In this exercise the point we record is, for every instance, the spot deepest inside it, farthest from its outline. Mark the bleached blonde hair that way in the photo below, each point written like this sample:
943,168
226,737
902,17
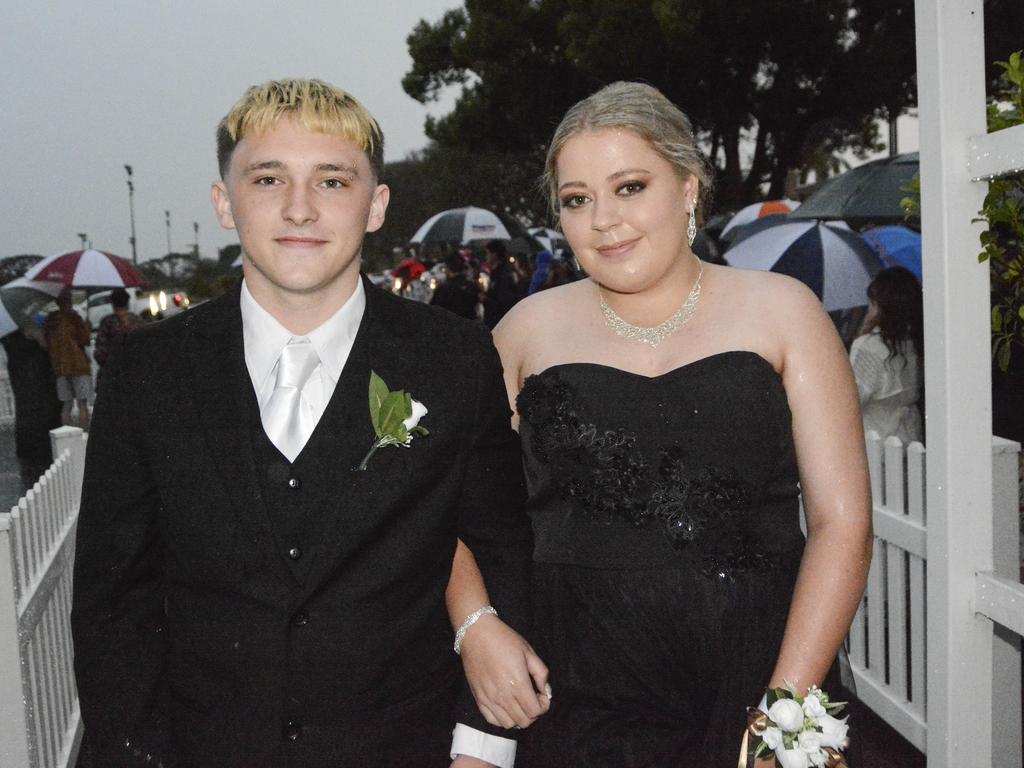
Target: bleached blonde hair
318,106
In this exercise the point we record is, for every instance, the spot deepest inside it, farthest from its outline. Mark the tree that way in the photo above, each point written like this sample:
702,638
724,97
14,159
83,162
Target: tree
12,267
786,77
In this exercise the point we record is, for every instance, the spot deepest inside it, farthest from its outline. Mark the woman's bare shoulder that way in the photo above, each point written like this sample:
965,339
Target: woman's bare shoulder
533,317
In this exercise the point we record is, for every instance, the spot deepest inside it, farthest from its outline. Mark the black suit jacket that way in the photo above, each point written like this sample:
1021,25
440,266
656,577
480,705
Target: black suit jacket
199,641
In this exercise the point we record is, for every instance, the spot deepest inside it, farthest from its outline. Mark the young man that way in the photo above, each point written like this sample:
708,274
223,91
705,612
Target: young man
244,594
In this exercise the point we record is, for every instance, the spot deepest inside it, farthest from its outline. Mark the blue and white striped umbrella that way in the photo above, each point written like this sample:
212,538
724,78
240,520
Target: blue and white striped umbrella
830,259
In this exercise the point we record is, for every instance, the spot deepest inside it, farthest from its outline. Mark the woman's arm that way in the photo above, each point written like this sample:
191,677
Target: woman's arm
505,674
829,439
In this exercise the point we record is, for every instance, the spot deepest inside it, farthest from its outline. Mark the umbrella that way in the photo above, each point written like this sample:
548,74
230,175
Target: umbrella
550,239
896,246
20,299
757,211
463,225
865,195
87,269
831,260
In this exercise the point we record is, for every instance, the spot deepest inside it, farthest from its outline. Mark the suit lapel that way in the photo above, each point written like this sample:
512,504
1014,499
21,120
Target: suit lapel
344,505
227,409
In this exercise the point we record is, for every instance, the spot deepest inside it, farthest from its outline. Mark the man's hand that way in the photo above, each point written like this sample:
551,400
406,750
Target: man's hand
464,761
507,678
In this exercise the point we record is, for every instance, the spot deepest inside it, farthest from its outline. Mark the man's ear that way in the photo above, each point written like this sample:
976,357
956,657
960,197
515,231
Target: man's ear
378,206
222,204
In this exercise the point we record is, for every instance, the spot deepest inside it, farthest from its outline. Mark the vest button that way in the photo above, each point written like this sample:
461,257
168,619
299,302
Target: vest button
294,483
292,730
300,619
295,553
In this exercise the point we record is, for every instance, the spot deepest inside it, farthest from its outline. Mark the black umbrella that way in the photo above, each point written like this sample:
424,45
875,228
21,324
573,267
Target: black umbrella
868,194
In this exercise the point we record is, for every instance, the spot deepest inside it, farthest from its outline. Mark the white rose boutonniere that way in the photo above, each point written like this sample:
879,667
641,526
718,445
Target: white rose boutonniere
395,417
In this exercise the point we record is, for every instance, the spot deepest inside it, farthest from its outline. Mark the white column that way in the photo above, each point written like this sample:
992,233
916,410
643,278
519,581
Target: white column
951,97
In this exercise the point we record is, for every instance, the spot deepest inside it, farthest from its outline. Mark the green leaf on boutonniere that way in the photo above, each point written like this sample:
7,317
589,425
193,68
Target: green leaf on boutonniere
378,393
394,415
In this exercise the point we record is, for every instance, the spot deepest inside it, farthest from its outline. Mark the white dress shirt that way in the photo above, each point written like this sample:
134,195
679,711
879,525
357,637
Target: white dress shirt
264,338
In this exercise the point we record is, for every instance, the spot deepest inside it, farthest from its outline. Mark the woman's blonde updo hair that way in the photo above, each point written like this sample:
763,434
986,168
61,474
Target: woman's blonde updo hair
644,110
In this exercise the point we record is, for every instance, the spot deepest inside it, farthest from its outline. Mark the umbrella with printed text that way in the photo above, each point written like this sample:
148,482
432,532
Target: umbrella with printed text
87,269
831,260
464,225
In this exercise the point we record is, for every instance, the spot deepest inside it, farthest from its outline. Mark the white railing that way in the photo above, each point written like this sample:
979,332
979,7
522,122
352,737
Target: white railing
40,726
888,637
6,399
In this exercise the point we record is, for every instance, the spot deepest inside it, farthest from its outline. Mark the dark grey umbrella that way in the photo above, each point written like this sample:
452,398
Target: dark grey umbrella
868,194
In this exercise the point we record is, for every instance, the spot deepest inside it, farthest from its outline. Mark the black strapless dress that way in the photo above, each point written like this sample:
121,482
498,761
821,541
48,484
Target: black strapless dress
668,542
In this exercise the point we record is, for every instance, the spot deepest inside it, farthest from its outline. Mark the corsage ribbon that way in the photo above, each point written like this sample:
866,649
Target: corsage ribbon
757,721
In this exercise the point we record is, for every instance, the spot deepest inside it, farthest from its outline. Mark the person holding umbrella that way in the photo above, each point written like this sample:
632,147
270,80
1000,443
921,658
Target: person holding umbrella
67,337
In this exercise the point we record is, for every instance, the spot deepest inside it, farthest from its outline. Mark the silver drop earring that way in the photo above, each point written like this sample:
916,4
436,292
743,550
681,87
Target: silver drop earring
691,228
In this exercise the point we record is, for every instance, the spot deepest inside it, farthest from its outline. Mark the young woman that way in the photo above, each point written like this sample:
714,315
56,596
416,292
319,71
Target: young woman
887,356
671,413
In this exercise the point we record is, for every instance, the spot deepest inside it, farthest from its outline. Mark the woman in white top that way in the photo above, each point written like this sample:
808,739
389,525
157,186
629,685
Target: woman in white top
887,358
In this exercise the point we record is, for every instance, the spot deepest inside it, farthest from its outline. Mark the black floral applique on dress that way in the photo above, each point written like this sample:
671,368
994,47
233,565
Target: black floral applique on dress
605,475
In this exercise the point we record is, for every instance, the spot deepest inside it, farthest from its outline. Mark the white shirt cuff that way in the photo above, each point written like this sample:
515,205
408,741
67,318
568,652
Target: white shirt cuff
496,750
763,706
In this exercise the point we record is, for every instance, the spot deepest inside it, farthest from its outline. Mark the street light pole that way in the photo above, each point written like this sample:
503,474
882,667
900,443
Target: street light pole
131,212
167,218
83,236
195,228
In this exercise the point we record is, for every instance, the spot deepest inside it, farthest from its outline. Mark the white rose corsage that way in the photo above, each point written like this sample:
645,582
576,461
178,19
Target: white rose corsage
801,730
395,417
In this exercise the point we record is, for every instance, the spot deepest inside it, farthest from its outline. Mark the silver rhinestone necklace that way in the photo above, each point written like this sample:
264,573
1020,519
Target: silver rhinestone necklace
654,336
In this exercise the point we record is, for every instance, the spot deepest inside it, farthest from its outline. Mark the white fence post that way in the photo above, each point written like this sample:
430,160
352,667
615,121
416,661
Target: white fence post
951,97
13,723
70,439
1006,644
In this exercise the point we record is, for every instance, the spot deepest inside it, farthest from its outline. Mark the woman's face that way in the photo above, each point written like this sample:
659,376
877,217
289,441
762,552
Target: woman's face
623,208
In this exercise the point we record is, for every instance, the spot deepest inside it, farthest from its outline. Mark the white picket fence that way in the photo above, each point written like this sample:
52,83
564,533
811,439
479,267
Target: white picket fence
888,636
6,399
40,726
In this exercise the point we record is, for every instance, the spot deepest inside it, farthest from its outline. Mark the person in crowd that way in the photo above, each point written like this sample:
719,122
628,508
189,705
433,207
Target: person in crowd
887,358
671,412
67,337
118,323
259,580
459,292
541,273
506,286
37,409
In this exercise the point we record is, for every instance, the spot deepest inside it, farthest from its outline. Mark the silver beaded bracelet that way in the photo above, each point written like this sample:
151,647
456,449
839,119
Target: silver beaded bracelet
472,619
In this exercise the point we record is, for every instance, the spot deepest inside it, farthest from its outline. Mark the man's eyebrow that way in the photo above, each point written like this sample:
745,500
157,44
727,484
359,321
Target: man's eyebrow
350,170
277,165
264,165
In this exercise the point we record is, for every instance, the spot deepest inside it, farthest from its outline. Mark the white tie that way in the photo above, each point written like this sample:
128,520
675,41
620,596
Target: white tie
286,422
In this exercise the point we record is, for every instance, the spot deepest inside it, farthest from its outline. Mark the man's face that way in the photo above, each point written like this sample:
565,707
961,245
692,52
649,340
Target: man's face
301,202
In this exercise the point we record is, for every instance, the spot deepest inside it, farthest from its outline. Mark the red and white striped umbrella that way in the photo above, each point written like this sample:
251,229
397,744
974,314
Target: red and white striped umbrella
87,269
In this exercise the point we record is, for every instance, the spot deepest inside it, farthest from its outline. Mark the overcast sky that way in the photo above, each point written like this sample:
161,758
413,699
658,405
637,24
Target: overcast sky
90,86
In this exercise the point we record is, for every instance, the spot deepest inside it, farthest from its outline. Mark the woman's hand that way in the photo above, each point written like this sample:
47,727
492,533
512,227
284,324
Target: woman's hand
508,680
